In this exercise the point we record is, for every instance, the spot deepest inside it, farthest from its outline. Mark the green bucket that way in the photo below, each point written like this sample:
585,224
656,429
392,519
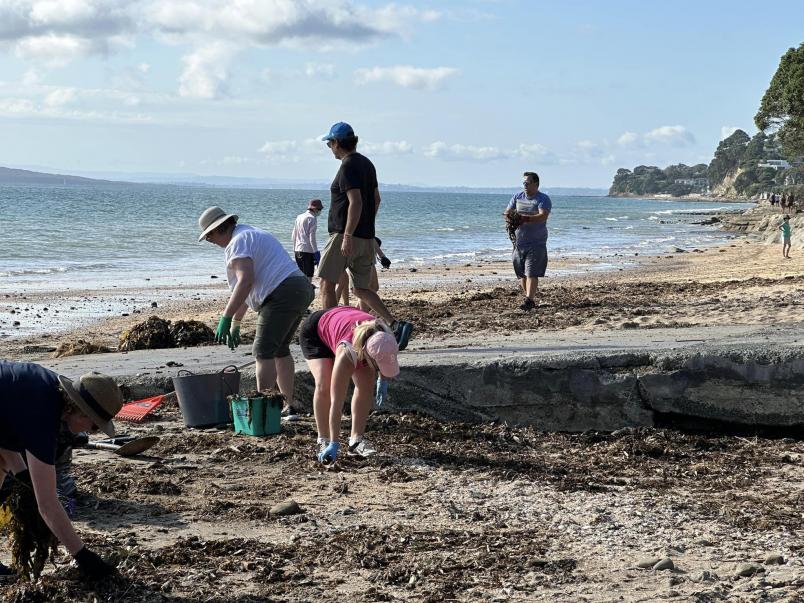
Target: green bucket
258,415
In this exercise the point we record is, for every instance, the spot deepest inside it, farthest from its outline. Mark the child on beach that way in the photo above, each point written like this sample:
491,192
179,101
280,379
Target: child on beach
785,228
340,344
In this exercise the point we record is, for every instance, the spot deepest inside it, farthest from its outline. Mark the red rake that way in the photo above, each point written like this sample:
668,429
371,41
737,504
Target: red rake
136,411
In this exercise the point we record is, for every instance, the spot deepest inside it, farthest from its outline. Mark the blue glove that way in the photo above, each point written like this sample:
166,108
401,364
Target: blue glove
329,454
382,391
316,258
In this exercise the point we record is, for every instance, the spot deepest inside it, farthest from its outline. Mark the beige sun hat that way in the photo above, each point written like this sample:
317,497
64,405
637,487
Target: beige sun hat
211,219
97,396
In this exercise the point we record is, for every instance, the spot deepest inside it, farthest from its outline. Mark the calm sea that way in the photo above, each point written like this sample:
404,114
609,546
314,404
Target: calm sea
73,237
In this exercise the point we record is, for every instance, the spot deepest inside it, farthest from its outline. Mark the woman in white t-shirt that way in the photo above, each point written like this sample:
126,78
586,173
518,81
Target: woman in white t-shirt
262,277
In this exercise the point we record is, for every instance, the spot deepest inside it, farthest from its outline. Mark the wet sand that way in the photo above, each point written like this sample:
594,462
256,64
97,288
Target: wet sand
745,282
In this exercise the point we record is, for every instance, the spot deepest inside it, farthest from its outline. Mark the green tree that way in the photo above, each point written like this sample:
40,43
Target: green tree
782,106
728,156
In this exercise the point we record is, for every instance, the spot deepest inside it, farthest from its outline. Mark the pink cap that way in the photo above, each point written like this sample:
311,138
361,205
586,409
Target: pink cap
382,347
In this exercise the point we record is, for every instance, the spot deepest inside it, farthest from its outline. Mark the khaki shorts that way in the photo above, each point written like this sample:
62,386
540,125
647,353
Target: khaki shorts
333,262
280,315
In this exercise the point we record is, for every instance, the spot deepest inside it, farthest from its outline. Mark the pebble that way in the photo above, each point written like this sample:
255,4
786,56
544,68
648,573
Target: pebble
665,564
748,569
287,507
648,562
702,542
774,559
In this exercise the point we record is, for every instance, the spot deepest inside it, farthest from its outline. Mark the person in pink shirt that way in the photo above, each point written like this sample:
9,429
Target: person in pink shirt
340,344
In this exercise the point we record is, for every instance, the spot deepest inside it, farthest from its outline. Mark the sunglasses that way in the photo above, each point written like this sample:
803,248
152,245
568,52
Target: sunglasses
527,183
329,144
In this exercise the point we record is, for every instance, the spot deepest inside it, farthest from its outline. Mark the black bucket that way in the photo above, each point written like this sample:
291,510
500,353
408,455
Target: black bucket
202,398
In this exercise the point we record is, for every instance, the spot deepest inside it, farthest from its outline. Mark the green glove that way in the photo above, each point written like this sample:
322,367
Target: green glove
234,340
222,334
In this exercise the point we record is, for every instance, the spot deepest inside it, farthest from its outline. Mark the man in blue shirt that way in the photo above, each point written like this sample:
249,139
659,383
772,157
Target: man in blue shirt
532,209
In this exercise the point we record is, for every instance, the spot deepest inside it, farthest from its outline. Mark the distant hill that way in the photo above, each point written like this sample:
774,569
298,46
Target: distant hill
742,167
13,176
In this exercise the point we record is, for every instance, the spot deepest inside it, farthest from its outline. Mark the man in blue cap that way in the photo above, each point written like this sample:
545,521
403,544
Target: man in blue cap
355,200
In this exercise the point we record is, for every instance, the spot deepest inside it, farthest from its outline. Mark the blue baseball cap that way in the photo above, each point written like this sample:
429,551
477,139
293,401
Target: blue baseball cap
339,131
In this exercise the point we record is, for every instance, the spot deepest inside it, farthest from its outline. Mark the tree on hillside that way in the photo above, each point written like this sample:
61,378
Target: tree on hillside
782,106
728,156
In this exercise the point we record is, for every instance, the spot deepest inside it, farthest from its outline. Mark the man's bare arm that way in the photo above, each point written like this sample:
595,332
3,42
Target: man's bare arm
538,218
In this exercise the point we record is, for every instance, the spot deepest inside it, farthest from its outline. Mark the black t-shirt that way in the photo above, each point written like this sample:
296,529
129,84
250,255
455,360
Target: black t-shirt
30,409
356,172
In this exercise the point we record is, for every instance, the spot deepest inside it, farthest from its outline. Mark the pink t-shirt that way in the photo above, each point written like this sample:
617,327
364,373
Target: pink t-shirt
336,326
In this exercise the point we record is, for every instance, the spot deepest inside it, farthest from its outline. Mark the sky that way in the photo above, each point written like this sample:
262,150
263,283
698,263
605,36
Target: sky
441,93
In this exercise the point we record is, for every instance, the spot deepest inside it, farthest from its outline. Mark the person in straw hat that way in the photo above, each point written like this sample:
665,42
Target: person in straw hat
34,405
340,344
262,277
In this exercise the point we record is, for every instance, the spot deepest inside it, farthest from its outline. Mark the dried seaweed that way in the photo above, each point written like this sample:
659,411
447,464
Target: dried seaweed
151,334
158,333
78,348
186,333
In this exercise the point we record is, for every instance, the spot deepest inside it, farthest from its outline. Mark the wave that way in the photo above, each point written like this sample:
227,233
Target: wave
25,271
611,219
53,270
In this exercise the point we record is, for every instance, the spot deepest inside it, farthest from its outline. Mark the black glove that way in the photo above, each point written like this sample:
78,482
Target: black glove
386,263
24,477
91,565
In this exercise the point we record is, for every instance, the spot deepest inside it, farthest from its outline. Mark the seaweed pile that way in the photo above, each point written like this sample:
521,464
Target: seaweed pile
157,333
78,348
32,542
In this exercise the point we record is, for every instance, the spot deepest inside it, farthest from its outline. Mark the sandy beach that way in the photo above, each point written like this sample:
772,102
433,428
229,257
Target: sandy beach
744,282
453,511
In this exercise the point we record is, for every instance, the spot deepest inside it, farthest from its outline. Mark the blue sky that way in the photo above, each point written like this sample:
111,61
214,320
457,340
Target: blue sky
465,93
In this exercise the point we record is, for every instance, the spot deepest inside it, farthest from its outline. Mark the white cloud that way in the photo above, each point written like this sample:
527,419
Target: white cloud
206,71
726,131
406,76
629,138
52,49
280,150
673,135
60,97
57,31
320,70
677,136
460,152
386,148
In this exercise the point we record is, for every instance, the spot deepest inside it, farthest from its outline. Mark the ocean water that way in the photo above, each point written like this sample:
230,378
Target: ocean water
83,237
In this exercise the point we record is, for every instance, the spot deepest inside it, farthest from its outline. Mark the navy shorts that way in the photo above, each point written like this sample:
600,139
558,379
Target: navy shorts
530,262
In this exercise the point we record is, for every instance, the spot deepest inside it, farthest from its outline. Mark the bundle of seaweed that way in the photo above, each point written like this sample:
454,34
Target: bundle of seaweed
156,333
190,333
32,542
512,222
78,348
151,334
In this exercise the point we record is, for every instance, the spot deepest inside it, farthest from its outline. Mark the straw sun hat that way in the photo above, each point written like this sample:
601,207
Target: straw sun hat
211,219
97,396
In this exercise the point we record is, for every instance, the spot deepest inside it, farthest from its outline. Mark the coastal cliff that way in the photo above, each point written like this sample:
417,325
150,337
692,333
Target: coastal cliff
764,222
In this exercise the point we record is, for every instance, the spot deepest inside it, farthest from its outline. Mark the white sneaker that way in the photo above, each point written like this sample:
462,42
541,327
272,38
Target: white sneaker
320,445
361,448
